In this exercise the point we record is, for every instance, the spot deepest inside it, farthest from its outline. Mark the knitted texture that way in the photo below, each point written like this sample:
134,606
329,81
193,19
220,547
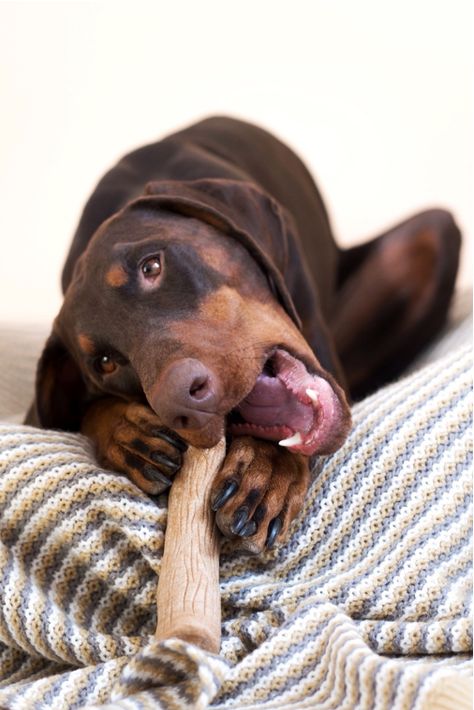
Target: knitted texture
366,606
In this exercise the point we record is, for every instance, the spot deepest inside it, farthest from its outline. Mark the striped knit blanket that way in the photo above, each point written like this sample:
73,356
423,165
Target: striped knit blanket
366,606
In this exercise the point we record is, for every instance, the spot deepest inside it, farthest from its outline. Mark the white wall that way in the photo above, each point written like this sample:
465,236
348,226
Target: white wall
375,95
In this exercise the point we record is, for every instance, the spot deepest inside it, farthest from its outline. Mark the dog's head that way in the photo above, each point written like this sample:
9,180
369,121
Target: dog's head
174,302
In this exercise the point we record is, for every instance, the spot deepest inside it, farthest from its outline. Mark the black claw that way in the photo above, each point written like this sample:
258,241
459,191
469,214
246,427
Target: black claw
240,518
164,460
273,530
249,529
171,439
152,474
224,494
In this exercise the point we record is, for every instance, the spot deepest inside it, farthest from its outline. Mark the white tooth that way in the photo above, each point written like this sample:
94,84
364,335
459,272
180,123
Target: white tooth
292,440
312,394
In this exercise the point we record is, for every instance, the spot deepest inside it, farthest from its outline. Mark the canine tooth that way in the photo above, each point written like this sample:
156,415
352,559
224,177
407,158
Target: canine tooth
312,394
292,440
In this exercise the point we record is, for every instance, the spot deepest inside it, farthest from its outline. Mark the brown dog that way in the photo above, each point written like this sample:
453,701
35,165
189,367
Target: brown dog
205,294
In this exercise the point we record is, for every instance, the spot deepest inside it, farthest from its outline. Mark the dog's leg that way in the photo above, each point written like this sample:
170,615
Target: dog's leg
393,297
129,438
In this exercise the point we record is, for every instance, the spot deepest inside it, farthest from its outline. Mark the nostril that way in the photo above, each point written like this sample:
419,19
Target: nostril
199,387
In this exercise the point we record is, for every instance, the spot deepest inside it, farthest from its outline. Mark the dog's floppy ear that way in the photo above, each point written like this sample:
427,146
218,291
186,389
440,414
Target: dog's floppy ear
60,388
239,209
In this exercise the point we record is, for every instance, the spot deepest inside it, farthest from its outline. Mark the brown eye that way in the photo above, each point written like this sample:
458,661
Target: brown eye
106,365
151,268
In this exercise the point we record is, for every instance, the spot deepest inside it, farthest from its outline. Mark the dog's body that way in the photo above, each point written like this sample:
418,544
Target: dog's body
204,293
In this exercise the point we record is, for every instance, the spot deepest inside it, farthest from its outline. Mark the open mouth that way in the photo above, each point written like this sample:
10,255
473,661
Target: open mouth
289,405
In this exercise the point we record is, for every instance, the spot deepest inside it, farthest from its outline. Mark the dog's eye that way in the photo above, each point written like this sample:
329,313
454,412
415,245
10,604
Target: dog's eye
151,268
106,365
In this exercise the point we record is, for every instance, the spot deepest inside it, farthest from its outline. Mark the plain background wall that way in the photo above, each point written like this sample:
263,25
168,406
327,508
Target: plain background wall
376,96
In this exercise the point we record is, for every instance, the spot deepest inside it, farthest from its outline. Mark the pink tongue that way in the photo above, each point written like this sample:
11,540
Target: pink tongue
270,403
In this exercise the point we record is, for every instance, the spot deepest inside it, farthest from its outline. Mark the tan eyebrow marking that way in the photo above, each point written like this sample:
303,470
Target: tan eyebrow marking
116,276
86,344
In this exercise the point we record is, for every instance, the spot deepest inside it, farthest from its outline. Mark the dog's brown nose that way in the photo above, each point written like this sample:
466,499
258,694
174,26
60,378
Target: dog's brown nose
186,395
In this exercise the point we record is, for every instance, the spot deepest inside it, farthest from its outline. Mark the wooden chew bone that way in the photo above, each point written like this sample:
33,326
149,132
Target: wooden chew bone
188,596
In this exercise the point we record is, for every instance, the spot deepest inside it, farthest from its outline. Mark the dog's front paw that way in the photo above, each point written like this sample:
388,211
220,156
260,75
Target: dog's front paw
258,492
130,438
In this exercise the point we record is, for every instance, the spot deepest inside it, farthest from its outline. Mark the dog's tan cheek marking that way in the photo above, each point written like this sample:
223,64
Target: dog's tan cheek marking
222,307
215,257
225,316
116,276
86,344
238,268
